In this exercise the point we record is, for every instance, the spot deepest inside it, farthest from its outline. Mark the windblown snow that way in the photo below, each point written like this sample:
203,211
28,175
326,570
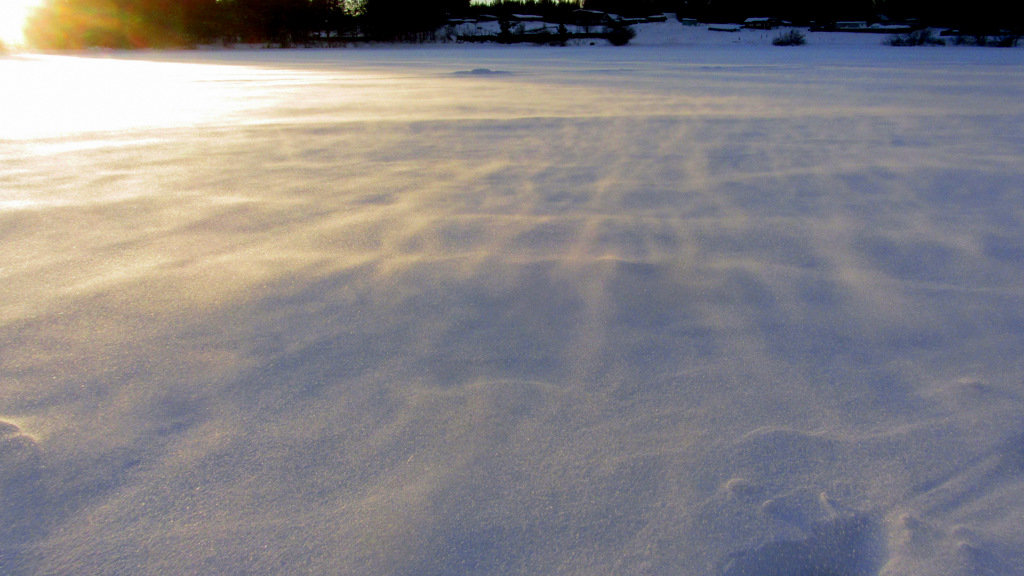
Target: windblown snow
680,308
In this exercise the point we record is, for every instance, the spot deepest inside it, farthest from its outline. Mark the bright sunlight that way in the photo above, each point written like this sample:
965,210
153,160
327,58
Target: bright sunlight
13,14
112,96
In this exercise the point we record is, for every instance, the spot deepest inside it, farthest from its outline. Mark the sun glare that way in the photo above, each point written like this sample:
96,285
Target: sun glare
13,14
64,96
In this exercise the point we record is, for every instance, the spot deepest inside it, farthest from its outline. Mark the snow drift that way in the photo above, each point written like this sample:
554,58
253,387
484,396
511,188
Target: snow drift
661,310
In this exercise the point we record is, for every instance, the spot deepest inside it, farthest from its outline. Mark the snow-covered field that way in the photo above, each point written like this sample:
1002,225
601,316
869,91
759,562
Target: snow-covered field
689,307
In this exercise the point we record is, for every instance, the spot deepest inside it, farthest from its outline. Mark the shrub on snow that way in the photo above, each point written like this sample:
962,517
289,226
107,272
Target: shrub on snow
999,41
791,38
619,35
923,37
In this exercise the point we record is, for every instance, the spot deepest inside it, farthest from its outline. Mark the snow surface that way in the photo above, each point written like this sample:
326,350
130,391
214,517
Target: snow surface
697,306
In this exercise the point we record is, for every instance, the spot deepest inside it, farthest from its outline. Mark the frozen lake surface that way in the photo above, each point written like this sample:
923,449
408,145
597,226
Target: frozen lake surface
719,309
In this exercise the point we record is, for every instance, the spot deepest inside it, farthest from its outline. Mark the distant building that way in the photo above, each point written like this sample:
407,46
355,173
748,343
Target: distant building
851,25
589,17
761,23
886,28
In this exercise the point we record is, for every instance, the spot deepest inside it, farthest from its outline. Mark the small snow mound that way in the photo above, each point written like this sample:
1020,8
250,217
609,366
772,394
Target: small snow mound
20,479
13,439
8,429
480,72
842,547
740,488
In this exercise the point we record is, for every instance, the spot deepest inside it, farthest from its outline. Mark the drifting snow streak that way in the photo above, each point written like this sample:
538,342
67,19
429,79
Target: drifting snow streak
635,312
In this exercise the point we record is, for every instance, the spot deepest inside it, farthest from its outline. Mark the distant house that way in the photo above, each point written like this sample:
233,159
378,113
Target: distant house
886,28
889,28
852,25
724,27
689,22
656,18
761,23
589,17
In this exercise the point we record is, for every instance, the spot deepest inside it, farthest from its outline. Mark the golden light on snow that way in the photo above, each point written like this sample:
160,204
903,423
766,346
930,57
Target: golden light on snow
58,96
351,311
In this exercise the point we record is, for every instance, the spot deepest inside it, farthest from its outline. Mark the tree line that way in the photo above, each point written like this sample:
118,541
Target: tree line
73,24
